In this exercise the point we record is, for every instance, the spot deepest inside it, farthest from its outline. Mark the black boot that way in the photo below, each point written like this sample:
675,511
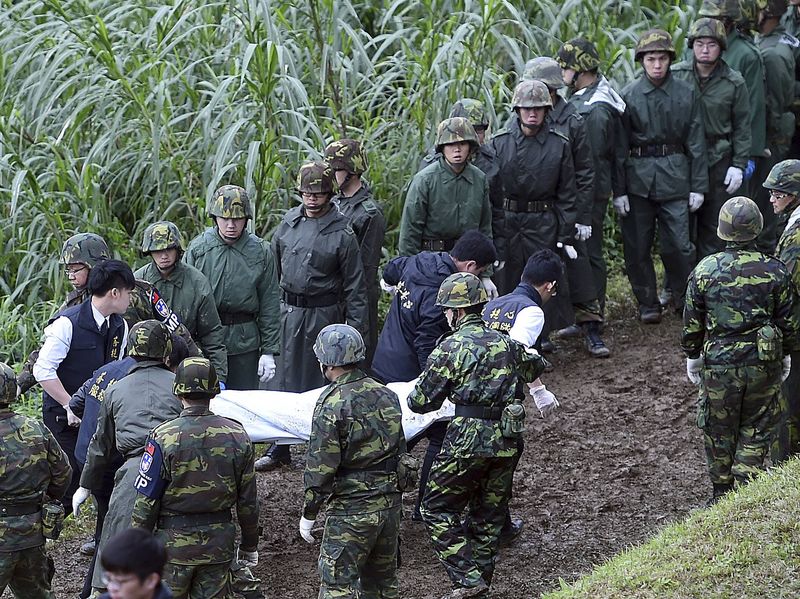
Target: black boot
511,529
720,490
277,456
594,343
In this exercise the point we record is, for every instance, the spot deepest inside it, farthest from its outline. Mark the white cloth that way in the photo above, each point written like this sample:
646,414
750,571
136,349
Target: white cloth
604,93
527,326
793,218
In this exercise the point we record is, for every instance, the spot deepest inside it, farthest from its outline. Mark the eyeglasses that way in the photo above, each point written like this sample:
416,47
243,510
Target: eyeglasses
73,272
114,582
778,195
314,196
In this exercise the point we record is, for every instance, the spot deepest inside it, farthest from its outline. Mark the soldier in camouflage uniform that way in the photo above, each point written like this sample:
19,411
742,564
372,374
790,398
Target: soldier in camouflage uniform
352,461
478,369
185,289
34,469
194,469
347,160
738,325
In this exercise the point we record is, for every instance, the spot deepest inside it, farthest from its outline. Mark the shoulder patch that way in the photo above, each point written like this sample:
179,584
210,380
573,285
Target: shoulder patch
563,136
149,481
370,207
789,40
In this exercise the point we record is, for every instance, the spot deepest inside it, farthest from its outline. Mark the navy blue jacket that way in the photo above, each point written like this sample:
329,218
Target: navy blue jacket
500,313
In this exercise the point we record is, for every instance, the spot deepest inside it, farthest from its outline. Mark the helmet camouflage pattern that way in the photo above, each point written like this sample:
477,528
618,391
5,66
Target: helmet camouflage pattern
531,94
655,40
339,345
461,290
578,54
149,339
708,27
775,8
162,235
85,248
785,177
472,110
196,375
750,10
455,130
346,155
544,69
739,220
721,9
230,201
315,177
8,384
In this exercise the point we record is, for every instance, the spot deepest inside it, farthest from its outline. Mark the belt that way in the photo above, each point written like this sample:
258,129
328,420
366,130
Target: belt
192,520
712,139
229,318
482,412
656,150
310,301
527,205
19,509
383,467
438,245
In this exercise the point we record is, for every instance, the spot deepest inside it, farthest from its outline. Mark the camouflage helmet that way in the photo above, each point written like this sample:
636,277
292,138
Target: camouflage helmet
531,94
655,40
455,130
708,27
785,177
750,10
725,9
315,177
544,69
162,235
149,339
472,110
578,54
8,384
85,248
739,220
196,375
339,345
775,8
230,201
346,155
461,290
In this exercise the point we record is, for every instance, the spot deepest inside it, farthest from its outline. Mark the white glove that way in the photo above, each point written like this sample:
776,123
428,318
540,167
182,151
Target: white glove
787,367
733,179
490,287
72,419
695,201
584,232
19,391
544,399
622,205
499,265
246,559
693,368
388,288
571,253
305,530
80,496
266,367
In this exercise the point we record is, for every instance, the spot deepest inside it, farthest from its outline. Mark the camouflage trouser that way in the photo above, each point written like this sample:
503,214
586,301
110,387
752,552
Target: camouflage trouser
737,411
786,441
483,487
209,581
28,572
243,583
358,557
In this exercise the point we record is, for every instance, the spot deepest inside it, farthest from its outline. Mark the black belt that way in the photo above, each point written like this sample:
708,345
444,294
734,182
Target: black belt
19,509
712,139
192,520
527,205
438,245
482,412
656,150
310,301
383,467
229,318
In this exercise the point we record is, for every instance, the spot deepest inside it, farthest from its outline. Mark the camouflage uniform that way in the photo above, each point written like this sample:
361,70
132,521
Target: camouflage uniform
33,467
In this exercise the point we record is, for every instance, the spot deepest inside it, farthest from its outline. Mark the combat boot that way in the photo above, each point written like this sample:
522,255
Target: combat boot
277,456
594,343
650,315
511,530
479,590
572,330
720,490
548,347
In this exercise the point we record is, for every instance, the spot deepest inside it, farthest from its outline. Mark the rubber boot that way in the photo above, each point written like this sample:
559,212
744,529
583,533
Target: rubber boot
277,456
594,343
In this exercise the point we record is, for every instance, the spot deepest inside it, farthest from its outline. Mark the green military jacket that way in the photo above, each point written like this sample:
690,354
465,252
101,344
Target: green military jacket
32,467
442,205
742,55
207,467
188,293
366,219
725,107
788,250
669,114
245,285
356,429
778,52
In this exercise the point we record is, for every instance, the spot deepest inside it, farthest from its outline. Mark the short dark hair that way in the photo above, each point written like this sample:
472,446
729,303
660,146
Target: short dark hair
108,274
474,245
180,350
544,266
134,551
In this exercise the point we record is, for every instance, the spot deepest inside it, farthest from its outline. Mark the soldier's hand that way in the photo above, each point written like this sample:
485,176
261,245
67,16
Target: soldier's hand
72,419
388,288
305,530
246,559
490,287
499,265
571,252
733,178
750,169
622,205
266,367
544,399
583,233
693,368
695,201
80,496
787,367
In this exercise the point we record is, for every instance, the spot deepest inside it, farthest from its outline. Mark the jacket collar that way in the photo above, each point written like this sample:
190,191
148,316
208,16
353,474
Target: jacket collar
449,175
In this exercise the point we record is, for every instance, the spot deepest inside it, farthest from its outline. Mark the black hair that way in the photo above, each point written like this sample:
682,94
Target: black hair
201,396
474,245
180,351
107,275
544,266
476,309
134,551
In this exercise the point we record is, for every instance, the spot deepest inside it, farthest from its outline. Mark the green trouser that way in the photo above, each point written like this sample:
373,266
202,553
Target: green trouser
707,217
28,572
243,371
209,581
576,302
526,233
594,247
768,238
786,440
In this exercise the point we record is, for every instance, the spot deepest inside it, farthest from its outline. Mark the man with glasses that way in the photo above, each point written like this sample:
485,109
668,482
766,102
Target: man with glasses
133,562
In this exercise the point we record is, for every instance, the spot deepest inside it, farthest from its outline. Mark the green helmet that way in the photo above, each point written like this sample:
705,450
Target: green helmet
315,177
739,220
346,155
339,345
775,8
721,9
578,54
196,375
455,130
544,69
655,40
149,339
708,27
162,235
750,10
230,201
531,94
472,110
461,290
8,384
85,248
785,177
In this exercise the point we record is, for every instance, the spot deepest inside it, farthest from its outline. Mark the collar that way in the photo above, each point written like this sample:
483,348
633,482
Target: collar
99,319
448,173
349,377
176,276
648,87
358,197
237,245
793,217
469,319
196,411
529,291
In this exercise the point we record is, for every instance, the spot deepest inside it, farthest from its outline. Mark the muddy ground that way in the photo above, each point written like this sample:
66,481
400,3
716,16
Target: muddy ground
621,458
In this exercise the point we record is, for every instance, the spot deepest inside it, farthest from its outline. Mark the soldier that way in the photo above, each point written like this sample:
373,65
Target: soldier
666,166
352,464
348,162
185,289
35,470
478,369
194,469
241,270
737,327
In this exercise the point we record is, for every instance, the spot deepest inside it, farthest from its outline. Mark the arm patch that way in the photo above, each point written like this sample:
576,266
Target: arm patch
149,482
